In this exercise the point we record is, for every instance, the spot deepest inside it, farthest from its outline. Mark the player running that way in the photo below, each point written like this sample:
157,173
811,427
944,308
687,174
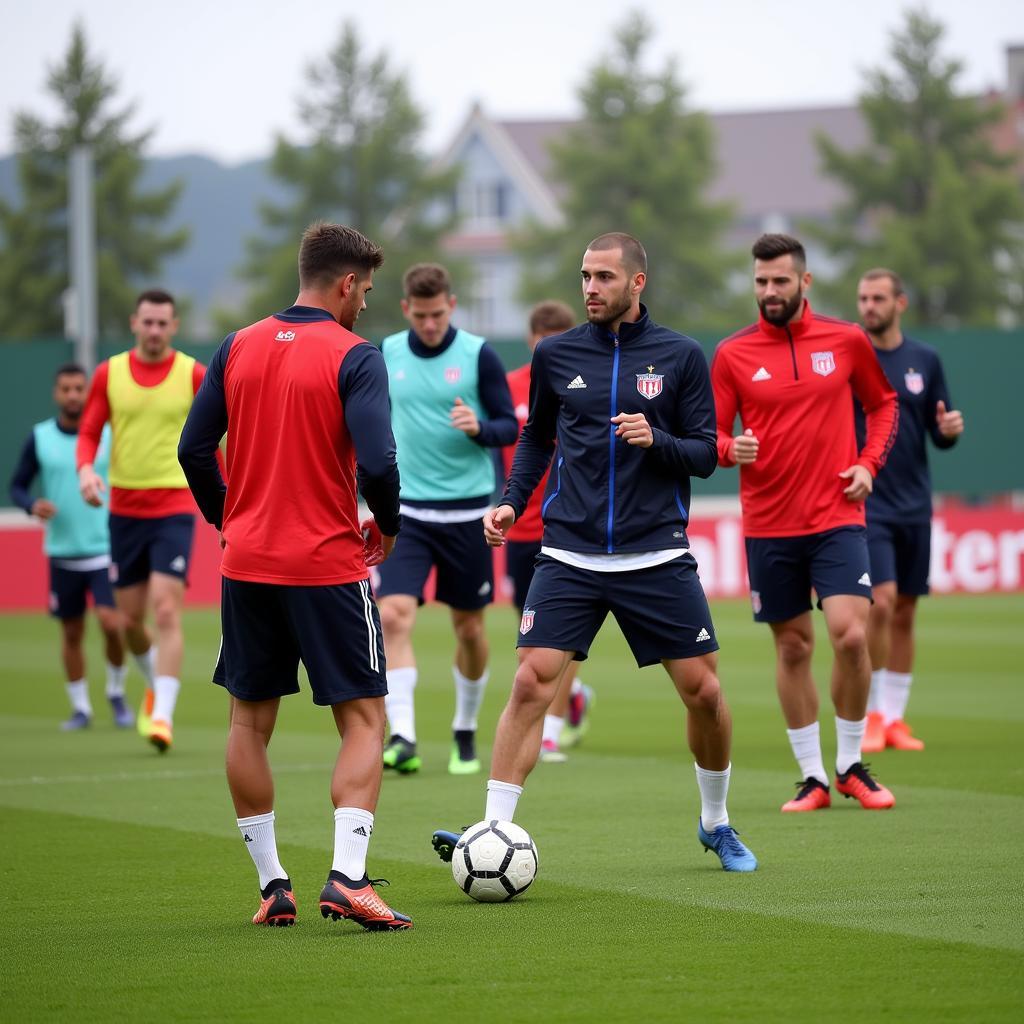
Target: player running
791,378
77,543
145,394
899,509
304,402
630,405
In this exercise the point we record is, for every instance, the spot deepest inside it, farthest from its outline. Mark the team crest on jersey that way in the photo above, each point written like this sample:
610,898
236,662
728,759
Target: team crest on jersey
649,384
452,374
526,623
823,363
914,382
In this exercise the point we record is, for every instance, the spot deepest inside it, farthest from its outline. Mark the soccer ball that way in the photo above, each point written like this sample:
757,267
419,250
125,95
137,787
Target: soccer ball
494,861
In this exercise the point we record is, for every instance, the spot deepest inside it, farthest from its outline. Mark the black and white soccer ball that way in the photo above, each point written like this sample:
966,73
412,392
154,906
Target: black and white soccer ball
494,861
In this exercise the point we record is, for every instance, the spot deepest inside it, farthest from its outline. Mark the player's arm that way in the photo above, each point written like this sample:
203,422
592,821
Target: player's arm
90,432
945,424
499,427
732,451
363,390
879,401
21,482
205,425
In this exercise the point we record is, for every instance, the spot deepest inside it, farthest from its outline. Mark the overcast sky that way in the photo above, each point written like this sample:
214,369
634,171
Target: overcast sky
222,77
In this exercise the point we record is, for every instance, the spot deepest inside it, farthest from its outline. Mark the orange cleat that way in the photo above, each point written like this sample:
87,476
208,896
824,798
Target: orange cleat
358,901
160,735
142,719
278,909
874,734
812,795
858,783
899,737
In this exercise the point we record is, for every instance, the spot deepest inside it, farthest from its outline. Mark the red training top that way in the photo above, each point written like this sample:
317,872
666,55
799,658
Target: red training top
792,385
529,526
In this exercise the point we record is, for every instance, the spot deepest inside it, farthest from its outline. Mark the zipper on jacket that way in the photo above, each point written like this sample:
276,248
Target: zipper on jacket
792,352
611,448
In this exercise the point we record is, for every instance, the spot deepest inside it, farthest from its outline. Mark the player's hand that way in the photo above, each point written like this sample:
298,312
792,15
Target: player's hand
464,418
496,522
634,429
951,423
861,483
91,484
43,509
376,545
744,448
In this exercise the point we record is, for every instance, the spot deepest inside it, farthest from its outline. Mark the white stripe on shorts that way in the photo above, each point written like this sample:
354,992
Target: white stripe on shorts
371,627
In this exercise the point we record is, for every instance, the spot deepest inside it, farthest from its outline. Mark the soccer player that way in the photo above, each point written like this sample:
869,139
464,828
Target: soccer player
629,403
304,402
791,377
145,394
77,543
524,537
450,406
899,510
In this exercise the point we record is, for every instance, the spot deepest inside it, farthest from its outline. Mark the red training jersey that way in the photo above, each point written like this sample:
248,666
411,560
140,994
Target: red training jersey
792,385
529,526
144,503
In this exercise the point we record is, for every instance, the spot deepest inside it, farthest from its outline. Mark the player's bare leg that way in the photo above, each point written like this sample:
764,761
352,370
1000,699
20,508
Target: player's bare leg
110,623
899,675
73,656
555,717
167,596
357,771
132,603
879,644
470,677
397,621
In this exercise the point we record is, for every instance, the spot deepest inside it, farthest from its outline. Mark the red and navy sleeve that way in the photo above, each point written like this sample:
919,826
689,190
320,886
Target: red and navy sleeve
501,427
24,473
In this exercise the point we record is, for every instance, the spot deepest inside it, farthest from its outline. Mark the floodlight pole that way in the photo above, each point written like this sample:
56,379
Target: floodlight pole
82,252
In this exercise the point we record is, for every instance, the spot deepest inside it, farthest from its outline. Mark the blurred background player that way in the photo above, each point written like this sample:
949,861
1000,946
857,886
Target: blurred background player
899,509
304,403
615,529
524,537
145,394
77,543
791,377
450,404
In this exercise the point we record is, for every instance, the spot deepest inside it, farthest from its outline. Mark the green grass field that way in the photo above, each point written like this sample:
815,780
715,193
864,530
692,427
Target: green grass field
127,891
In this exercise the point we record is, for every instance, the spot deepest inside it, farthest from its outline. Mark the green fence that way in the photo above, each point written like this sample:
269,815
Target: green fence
984,369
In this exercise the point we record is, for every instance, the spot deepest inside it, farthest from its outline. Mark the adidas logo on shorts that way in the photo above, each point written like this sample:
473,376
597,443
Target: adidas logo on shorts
865,580
178,564
703,635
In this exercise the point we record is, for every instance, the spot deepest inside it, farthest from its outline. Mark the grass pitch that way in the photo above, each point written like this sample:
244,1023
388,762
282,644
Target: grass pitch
127,891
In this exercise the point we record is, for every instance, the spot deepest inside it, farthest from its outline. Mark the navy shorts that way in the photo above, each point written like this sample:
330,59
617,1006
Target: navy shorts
520,562
267,629
782,570
465,565
69,587
662,611
139,547
901,552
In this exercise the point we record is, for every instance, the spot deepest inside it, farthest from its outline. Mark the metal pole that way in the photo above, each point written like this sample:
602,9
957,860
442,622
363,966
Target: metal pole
82,242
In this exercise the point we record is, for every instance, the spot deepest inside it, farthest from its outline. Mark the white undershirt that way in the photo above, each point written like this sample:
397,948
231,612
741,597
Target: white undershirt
614,563
443,515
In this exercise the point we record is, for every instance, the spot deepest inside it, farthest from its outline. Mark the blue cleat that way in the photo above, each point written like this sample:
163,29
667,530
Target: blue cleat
444,843
123,717
726,843
78,720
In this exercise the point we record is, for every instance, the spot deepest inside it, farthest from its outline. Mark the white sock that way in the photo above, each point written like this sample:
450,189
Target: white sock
399,703
352,830
806,746
78,694
469,694
165,689
115,679
877,689
849,736
147,665
714,787
502,798
895,695
576,687
258,834
553,728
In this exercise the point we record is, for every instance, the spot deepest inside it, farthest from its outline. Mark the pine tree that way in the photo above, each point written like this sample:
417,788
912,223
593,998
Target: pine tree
34,236
928,195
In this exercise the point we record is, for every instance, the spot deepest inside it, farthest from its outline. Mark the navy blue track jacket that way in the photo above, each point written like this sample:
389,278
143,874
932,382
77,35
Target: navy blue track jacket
604,495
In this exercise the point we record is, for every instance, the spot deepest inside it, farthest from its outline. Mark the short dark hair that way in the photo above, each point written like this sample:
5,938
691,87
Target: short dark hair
425,280
771,247
551,317
877,273
157,296
69,370
329,251
634,256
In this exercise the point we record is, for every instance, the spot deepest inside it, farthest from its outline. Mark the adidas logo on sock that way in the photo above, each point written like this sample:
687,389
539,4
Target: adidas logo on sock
865,580
703,635
762,374
360,831
576,382
247,837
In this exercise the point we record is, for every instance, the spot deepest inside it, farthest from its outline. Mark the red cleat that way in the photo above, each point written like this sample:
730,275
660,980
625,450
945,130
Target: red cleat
899,737
858,783
359,902
278,909
812,795
874,734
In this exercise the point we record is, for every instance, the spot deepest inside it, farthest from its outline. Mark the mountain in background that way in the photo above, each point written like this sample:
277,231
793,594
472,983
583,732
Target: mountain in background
220,205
